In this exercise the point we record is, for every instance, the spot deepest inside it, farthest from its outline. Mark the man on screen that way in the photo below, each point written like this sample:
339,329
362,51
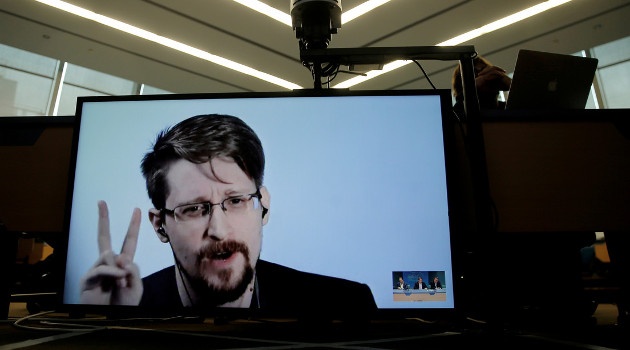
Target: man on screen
420,284
204,177
401,284
436,284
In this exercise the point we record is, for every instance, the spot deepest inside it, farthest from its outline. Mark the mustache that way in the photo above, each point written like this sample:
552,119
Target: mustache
216,250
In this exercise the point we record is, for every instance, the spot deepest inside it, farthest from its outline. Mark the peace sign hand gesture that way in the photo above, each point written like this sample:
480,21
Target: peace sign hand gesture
114,279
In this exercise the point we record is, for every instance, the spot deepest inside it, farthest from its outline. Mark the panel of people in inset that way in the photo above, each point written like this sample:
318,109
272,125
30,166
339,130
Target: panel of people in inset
419,285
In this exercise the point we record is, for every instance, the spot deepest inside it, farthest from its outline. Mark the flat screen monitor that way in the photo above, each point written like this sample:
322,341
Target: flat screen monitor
354,200
35,154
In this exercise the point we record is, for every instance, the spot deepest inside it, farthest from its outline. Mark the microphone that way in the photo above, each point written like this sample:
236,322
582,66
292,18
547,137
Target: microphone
178,266
163,233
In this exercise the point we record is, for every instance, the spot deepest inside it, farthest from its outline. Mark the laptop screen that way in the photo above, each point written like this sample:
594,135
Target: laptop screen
353,201
544,80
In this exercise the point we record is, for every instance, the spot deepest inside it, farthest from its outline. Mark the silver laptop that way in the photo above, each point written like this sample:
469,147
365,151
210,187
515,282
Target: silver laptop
544,80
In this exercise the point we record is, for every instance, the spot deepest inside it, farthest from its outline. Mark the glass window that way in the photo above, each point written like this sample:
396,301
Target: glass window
81,81
613,52
27,61
614,72
97,81
591,102
23,93
151,90
26,81
614,83
68,99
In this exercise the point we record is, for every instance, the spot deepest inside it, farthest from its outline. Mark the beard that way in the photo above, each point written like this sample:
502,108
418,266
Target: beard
224,285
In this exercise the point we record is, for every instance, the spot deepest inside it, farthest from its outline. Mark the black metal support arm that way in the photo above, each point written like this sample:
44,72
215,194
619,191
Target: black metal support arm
465,55
382,55
379,56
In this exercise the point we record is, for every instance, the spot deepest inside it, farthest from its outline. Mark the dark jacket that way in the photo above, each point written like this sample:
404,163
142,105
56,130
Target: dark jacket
434,286
417,286
280,289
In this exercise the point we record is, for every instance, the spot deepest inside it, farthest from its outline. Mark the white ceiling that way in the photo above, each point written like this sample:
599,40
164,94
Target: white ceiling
235,32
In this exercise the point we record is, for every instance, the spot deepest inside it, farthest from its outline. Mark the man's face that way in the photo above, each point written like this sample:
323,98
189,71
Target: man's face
221,253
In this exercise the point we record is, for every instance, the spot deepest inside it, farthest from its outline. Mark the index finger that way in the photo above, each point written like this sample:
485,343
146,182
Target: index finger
104,238
131,239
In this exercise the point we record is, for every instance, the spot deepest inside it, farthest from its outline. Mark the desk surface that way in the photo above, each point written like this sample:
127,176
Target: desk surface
419,291
285,334
288,334
420,294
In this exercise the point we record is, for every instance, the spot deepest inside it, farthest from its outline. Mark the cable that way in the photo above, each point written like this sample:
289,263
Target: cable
420,320
71,325
328,71
181,274
332,74
78,328
425,74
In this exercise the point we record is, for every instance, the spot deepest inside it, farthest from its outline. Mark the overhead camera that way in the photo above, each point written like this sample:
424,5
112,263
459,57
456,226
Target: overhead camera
314,21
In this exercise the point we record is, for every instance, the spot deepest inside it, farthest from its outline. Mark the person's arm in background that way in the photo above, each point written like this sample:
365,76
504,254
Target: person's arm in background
489,82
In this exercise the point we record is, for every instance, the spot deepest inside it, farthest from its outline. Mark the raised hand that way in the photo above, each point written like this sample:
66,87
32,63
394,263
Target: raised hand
115,278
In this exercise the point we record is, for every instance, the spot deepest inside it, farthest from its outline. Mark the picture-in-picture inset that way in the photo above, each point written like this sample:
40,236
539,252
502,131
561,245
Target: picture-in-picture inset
419,286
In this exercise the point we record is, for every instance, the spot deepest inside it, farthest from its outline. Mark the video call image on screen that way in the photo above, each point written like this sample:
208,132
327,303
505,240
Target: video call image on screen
356,185
419,286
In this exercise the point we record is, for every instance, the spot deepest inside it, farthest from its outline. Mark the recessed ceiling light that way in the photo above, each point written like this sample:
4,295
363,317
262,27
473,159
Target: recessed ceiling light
176,45
490,27
286,18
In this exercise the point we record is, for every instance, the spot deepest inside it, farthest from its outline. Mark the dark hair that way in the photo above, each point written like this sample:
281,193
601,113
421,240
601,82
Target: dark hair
457,87
199,139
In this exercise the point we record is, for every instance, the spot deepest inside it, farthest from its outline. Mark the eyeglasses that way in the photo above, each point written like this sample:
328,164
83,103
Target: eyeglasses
231,206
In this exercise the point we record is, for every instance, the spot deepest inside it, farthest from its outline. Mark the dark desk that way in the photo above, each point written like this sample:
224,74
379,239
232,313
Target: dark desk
559,171
289,334
420,294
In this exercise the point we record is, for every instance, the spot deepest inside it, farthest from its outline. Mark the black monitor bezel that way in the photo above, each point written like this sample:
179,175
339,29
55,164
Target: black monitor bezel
449,127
